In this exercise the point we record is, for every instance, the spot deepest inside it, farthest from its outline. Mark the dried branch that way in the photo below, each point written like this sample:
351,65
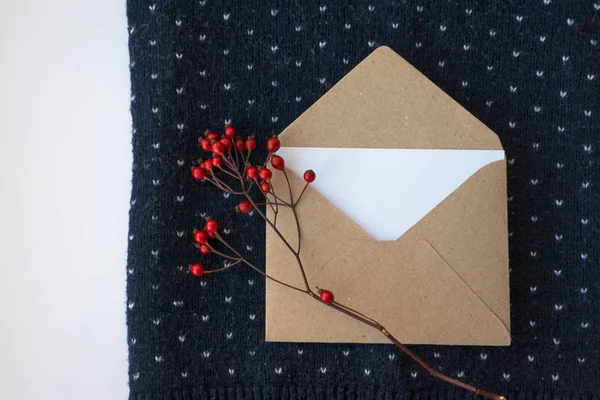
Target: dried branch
231,154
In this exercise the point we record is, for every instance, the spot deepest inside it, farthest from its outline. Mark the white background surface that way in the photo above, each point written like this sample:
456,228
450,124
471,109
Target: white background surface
65,162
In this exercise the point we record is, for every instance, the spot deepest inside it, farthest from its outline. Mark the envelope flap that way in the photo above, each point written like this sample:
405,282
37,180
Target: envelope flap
384,102
411,290
435,305
469,231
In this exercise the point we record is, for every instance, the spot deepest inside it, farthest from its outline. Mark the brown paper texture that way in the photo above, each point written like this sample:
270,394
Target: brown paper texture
445,281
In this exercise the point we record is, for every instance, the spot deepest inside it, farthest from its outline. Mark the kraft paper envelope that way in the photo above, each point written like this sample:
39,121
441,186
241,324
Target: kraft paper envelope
406,221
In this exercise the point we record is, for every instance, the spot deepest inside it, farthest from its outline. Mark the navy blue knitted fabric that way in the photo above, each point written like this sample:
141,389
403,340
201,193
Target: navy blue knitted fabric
528,69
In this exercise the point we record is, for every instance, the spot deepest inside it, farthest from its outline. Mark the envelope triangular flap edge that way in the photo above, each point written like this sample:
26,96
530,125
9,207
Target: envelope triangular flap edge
384,102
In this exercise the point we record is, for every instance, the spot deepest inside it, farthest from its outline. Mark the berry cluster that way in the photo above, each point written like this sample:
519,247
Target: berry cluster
231,158
228,150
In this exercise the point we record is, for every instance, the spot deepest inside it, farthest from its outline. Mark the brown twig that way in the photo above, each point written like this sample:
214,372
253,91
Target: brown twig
295,216
227,172
301,193
245,261
271,204
281,201
234,168
276,211
222,185
212,271
287,244
235,151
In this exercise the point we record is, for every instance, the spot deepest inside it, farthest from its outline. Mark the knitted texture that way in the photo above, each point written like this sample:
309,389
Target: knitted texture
527,69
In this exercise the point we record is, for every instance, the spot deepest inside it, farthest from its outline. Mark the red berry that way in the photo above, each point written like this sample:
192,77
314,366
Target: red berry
218,148
244,206
212,136
265,187
217,161
252,173
208,165
278,162
265,174
212,226
309,176
250,144
198,173
273,144
326,296
197,270
200,237
229,131
204,249
227,142
205,144
240,145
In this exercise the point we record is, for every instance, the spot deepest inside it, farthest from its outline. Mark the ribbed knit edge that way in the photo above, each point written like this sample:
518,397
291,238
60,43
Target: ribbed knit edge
338,392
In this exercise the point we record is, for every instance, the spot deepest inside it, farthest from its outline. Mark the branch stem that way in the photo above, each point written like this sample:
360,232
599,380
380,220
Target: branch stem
248,263
301,193
212,271
285,242
245,191
287,179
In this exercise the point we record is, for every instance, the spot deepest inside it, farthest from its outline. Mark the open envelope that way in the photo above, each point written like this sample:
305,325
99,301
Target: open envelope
406,221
